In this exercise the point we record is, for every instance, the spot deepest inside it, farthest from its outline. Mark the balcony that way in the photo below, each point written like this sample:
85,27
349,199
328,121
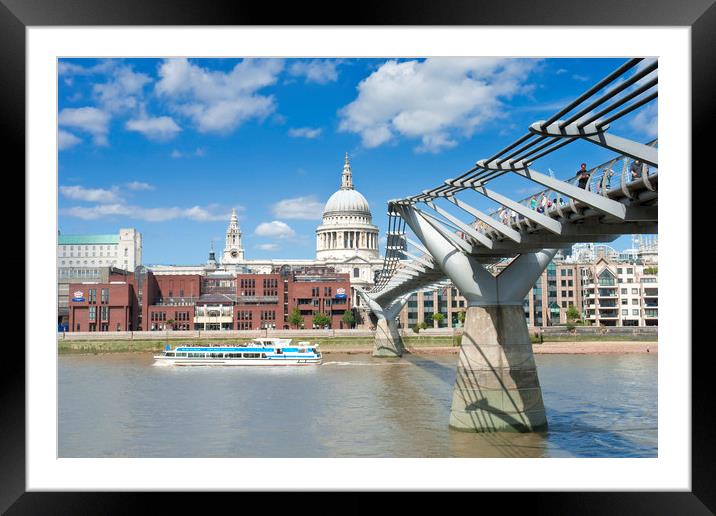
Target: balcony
608,295
608,304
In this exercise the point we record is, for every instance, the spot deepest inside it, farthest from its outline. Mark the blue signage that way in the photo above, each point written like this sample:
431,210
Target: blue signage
78,299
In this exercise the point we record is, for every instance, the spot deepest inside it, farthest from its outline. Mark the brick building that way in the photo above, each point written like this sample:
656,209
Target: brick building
212,301
109,306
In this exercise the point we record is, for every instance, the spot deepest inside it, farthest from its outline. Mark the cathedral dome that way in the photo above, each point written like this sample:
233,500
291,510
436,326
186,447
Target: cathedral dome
347,201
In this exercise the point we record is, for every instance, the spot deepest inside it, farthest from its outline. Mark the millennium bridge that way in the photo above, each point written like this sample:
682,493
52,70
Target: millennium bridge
438,237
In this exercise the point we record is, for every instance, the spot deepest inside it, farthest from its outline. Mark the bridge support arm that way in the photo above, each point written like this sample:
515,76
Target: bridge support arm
388,343
496,386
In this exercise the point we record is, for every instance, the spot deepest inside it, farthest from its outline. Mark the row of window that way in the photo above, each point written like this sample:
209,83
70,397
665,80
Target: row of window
104,313
90,262
215,355
162,316
92,295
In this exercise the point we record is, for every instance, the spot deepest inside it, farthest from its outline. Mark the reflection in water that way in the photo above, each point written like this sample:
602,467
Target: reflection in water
351,406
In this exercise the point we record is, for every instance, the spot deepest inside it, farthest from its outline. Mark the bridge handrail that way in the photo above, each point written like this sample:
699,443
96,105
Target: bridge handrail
600,181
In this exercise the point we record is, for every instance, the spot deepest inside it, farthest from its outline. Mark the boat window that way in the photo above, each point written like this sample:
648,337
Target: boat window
181,354
279,351
251,355
263,355
301,350
169,353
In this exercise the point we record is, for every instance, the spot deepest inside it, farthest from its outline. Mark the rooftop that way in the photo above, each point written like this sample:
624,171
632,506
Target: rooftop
87,239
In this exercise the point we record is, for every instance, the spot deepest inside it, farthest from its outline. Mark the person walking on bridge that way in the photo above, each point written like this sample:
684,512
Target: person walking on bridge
583,176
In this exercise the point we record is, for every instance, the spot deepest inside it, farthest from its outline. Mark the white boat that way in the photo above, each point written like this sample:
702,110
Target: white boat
258,352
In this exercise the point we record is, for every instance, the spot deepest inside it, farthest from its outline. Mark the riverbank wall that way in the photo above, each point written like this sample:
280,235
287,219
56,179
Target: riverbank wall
414,344
537,334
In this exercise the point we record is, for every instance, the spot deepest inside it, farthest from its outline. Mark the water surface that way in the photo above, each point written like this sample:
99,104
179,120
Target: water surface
119,405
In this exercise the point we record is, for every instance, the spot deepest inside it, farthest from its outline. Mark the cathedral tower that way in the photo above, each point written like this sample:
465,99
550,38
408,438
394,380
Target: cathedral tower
233,251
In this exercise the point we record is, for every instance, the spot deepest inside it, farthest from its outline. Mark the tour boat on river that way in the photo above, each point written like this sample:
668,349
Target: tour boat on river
258,352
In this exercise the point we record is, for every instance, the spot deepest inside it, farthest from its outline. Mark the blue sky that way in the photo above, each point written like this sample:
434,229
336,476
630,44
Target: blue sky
171,146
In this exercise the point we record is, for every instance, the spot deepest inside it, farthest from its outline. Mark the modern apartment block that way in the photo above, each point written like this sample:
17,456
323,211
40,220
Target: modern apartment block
605,293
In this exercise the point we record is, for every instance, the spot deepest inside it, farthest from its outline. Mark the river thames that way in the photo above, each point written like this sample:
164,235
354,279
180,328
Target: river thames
119,405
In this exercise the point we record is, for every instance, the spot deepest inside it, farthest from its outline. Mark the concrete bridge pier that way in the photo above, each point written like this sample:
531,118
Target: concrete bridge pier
388,343
496,386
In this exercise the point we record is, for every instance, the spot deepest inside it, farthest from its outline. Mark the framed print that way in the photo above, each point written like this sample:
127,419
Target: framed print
204,190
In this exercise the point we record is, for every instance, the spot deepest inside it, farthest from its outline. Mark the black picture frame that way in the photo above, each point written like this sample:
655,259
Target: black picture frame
17,15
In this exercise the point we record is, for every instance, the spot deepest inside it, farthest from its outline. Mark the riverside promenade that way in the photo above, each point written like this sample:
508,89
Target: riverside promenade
430,341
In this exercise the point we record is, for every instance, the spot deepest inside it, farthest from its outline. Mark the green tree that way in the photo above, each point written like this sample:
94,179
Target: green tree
295,318
170,323
651,270
461,316
348,318
320,319
438,317
416,328
423,325
572,313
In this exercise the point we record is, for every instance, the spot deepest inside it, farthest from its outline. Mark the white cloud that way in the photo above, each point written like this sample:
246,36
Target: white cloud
305,132
646,121
436,101
218,101
276,229
581,78
67,140
80,193
139,185
199,153
196,213
307,208
320,71
67,68
561,71
160,128
122,91
88,119
268,247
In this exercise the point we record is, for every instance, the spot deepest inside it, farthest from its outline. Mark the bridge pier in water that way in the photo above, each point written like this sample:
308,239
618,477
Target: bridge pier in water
496,387
388,342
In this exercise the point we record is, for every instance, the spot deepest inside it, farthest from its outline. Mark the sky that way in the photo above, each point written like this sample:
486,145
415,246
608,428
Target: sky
170,146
